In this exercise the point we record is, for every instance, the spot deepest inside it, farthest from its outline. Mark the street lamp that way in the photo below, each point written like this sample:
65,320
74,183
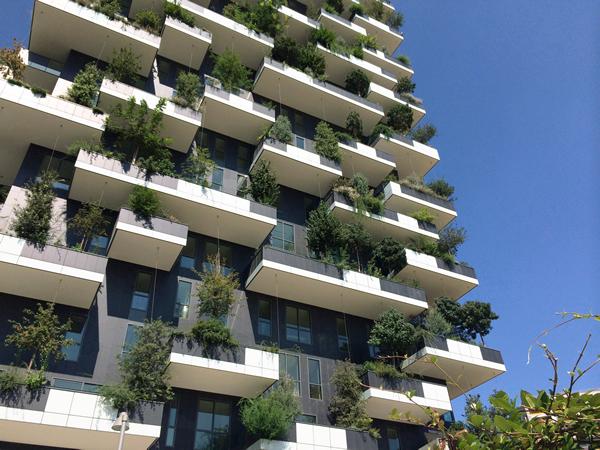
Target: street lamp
121,424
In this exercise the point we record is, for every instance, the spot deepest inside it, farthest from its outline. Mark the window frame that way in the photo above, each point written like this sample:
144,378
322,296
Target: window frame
319,385
178,307
296,328
283,371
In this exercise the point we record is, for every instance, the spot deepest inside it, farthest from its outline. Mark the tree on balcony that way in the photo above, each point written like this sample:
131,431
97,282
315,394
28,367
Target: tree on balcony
144,203
393,334
312,62
286,50
441,188
388,257
469,320
33,221
188,90
176,11
85,87
423,134
326,142
149,20
262,17
11,63
358,83
263,184
357,191
281,130
354,125
400,118
230,71
124,66
89,221
197,166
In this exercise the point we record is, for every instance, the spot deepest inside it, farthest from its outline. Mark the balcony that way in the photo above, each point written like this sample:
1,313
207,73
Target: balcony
59,26
392,65
184,44
386,36
53,274
59,418
247,373
407,200
464,366
343,28
391,223
234,114
297,26
287,275
387,400
144,5
437,277
360,158
180,124
317,98
299,168
40,71
339,66
204,210
388,98
251,46
51,122
154,243
412,157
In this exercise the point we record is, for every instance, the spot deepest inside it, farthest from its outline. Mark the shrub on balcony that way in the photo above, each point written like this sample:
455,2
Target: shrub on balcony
358,83
469,320
323,36
85,87
11,63
383,370
451,238
395,21
400,118
149,21
124,66
376,10
212,335
405,86
322,232
368,41
281,130
354,125
357,191
197,166
143,368
144,203
326,143
388,256
348,408
270,415
286,50
263,184
382,129
10,380
262,17
41,336
441,188
356,246
435,324
95,147
423,134
423,215
334,6
416,183
357,9
230,71
311,61
32,222
110,8
188,90
393,334
175,11
404,60
89,221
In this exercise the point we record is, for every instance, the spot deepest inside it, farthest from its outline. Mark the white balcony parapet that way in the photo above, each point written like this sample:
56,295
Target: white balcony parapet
184,44
314,437
392,65
374,164
385,35
412,157
347,30
387,98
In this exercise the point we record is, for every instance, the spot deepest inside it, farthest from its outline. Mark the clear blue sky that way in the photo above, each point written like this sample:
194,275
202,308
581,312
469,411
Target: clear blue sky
514,89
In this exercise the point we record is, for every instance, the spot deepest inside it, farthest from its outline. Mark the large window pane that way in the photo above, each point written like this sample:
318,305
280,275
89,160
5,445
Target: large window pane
188,254
290,365
342,334
314,379
182,303
264,318
130,337
212,425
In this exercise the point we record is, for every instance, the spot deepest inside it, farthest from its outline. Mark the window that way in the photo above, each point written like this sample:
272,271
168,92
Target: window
140,297
314,379
297,325
171,424
306,418
130,338
342,334
393,439
212,425
290,365
243,159
224,250
218,153
98,245
188,254
264,318
282,236
72,385
373,349
182,303
300,142
71,352
217,179
63,165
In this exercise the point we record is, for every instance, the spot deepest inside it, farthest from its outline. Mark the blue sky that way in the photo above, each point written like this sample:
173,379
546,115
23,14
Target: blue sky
514,90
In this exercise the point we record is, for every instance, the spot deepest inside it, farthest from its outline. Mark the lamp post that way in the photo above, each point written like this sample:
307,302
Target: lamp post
121,424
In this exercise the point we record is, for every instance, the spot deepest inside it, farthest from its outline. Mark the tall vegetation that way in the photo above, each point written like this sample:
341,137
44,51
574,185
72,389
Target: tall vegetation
263,184
11,63
423,134
124,66
230,71
358,82
354,125
89,221
393,334
262,17
144,203
469,320
326,142
400,118
357,191
188,90
197,166
85,87
176,11
281,130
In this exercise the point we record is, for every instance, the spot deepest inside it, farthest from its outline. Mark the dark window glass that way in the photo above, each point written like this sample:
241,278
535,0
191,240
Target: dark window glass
225,251
306,418
140,299
98,245
342,334
212,425
393,439
243,159
217,179
290,365
63,165
71,352
219,151
188,254
314,379
171,427
130,338
297,325
182,304
264,318
282,236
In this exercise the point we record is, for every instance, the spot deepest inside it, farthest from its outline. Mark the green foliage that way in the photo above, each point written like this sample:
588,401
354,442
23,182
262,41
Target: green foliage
336,5
212,334
216,292
348,408
395,21
137,130
95,147
323,36
356,245
188,89
89,221
368,41
322,231
286,49
11,63
441,188
356,9
85,87
392,333
9,381
270,415
400,118
197,165
40,335
149,21
144,202
383,370
435,324
358,82
469,320
109,8
263,184
383,129
416,183
354,125
405,86
33,221
262,16
175,11
326,143
357,191
281,129
124,66
423,215
450,239
311,61
35,380
376,10
404,60
388,256
230,71
119,396
423,134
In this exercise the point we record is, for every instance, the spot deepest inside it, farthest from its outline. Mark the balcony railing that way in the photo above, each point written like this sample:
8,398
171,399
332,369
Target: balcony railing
441,343
214,86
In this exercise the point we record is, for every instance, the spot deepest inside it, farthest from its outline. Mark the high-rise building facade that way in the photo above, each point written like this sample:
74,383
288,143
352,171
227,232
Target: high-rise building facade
348,233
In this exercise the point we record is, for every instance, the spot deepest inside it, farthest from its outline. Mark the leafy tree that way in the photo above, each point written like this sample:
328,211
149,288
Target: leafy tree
109,7
368,41
358,192
450,239
423,215
286,49
348,407
311,61
85,87
326,143
281,129
124,66
437,325
188,89
265,17
423,134
358,83
441,188
40,335
230,71
197,166
212,335
404,60
354,125
392,333
356,9
148,20
375,9
322,231
400,118
33,221
137,130
405,86
11,63
357,243
216,292
395,21
323,36
336,5
388,256
176,11
89,221
144,203
263,184
383,129
270,415
476,319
